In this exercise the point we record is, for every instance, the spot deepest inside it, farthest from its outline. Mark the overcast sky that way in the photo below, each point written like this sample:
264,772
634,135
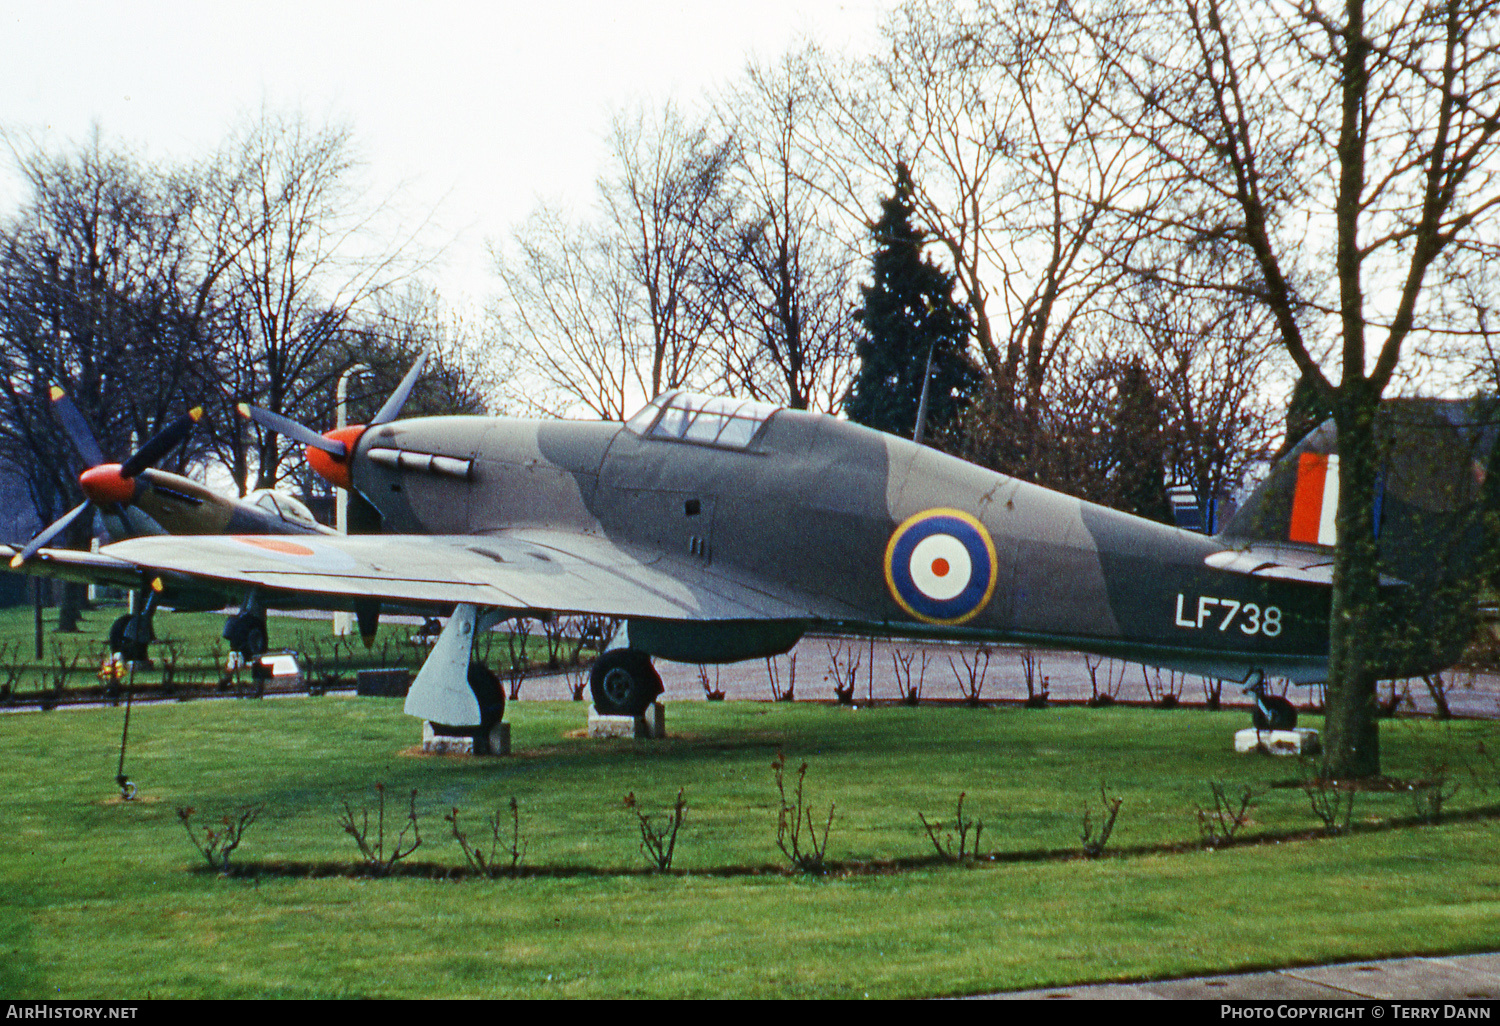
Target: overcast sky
475,109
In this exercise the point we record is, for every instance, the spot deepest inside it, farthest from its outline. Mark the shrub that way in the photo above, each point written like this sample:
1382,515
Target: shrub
963,825
1332,804
1093,845
488,863
659,843
1217,828
219,842
971,681
373,850
793,819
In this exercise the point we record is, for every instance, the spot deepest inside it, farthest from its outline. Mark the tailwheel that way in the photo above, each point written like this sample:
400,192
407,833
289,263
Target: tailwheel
624,683
1272,712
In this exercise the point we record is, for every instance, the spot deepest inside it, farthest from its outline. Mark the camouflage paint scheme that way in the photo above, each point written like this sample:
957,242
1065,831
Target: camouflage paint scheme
178,505
715,554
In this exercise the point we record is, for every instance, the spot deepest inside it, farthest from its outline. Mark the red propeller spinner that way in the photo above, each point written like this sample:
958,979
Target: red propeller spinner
106,483
330,467
331,454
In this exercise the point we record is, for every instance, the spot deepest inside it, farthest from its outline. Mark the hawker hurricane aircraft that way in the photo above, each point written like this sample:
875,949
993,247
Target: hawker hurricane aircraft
724,529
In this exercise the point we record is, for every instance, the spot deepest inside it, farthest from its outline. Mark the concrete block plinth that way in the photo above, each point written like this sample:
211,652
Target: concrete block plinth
463,744
652,724
1302,741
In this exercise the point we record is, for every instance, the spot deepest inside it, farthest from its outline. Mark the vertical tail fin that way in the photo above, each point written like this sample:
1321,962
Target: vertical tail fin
1436,500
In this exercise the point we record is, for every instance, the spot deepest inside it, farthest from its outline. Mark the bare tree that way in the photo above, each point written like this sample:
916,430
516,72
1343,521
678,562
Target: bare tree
105,290
1209,356
1346,155
607,313
995,109
308,265
784,283
666,202
568,320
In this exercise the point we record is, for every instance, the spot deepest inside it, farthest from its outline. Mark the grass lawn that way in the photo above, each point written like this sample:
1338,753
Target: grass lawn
100,898
190,648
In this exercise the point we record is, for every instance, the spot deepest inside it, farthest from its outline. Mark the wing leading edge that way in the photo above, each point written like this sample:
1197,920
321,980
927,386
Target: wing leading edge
539,570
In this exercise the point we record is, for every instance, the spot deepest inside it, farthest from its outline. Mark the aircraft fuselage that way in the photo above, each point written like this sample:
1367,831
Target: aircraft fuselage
889,537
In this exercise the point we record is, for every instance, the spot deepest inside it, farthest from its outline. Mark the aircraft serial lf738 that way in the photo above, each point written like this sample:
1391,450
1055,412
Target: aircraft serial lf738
719,530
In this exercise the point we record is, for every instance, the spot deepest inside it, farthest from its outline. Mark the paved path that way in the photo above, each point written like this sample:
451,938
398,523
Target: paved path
1452,977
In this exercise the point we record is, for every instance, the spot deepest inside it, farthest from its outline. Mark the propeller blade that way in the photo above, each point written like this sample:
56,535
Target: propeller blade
392,408
161,443
57,528
76,427
291,429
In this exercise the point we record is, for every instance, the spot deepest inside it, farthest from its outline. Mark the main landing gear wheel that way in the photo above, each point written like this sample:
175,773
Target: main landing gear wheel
129,643
491,699
246,634
487,692
623,683
1272,712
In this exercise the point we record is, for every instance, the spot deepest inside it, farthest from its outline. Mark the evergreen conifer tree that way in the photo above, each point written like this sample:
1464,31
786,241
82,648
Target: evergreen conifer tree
907,313
1137,446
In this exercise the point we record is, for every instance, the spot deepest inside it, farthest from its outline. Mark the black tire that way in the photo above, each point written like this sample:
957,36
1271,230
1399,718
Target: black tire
623,683
130,651
489,695
491,699
246,635
1283,714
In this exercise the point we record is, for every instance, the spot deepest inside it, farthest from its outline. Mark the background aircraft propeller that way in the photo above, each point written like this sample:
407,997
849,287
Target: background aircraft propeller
105,484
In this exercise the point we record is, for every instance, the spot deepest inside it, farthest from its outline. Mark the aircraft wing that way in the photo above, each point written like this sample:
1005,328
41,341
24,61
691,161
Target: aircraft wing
523,570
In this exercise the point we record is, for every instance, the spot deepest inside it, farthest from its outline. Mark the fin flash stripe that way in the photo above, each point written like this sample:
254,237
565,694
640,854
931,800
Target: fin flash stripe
940,566
1316,500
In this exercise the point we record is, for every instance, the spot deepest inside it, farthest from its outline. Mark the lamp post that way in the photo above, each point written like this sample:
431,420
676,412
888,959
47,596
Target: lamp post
343,622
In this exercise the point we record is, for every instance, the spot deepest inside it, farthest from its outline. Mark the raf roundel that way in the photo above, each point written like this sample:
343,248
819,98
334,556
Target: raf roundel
940,566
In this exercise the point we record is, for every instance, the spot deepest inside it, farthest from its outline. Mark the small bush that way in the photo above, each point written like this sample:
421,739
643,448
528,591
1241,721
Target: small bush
712,693
1332,804
901,663
219,842
1110,692
1037,686
1218,826
963,825
488,863
1093,845
1167,693
794,819
659,843
971,681
843,671
780,693
373,850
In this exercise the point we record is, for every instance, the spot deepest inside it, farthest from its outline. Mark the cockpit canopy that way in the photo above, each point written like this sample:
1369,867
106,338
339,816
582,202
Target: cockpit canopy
282,505
703,419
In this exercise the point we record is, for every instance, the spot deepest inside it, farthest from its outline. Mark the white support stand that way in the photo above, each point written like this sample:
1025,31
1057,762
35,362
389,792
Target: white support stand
652,724
441,691
1302,741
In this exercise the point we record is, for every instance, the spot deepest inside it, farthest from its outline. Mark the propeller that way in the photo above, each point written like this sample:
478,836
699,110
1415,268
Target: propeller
104,484
328,453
